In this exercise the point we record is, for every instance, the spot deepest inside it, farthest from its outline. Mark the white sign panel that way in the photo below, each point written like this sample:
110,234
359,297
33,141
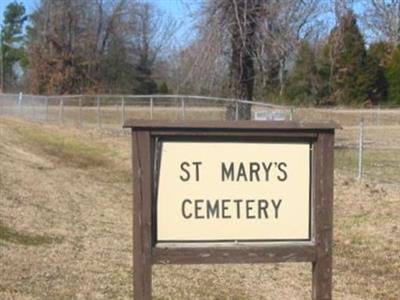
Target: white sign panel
231,191
269,115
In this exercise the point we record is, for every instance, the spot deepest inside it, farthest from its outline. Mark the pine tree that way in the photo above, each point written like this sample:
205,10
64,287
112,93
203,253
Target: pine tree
163,88
301,87
375,66
393,75
308,82
12,49
350,81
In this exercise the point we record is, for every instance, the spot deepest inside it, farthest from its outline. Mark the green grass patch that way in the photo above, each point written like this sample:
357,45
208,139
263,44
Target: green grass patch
66,149
378,164
8,234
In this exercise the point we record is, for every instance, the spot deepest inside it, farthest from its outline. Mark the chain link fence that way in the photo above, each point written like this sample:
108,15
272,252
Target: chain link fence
113,110
368,145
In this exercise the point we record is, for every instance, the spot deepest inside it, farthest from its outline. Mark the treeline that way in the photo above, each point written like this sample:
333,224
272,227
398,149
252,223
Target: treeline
341,70
85,46
275,51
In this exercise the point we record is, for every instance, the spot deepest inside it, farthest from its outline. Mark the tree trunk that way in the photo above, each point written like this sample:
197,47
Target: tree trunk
243,43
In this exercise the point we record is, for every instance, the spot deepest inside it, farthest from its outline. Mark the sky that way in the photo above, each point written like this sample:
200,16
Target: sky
179,9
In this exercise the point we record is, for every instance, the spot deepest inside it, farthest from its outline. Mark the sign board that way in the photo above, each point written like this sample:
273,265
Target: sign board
274,115
211,191
232,192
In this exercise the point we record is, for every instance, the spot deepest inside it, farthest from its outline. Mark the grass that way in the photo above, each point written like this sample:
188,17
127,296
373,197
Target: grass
66,226
10,235
378,164
63,148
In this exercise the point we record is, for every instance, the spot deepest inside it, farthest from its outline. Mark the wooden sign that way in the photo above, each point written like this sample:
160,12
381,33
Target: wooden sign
232,192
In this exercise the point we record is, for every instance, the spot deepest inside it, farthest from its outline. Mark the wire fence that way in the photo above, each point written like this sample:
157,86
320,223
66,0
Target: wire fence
368,145
113,110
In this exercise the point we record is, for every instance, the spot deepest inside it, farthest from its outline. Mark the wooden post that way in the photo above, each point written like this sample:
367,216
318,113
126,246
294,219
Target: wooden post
323,217
142,242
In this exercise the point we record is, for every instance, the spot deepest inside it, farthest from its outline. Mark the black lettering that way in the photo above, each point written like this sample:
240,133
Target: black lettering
249,208
262,207
227,173
241,172
197,164
212,211
185,163
238,201
225,207
184,214
284,174
276,207
266,169
254,169
197,208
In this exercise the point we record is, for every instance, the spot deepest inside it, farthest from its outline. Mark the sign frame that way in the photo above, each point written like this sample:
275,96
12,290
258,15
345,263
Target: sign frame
146,135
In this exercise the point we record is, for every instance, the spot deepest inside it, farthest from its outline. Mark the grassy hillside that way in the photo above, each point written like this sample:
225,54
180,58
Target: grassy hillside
66,229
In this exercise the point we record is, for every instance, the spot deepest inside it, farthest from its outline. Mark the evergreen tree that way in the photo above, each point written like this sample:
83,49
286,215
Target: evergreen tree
144,82
308,82
393,76
12,38
301,83
163,88
376,61
350,80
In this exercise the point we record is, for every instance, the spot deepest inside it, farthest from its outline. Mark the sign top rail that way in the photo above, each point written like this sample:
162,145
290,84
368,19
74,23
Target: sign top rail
226,125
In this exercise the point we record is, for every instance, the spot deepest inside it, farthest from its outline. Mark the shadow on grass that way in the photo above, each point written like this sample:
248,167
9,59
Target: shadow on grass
64,148
10,235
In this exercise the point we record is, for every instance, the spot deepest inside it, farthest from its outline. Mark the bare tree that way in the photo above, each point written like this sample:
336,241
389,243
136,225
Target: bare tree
94,45
382,19
286,23
257,40
234,23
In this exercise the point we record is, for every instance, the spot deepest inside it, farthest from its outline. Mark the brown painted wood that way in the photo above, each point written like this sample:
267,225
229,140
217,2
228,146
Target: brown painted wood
142,245
322,267
234,254
241,135
229,125
147,252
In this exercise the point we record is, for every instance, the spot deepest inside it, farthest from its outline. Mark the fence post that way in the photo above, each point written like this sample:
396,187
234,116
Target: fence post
47,109
183,108
151,108
61,111
360,149
33,115
80,111
291,114
20,103
123,110
378,115
98,112
236,110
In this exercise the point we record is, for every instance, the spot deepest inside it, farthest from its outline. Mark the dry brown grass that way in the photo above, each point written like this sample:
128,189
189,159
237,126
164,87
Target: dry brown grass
66,229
